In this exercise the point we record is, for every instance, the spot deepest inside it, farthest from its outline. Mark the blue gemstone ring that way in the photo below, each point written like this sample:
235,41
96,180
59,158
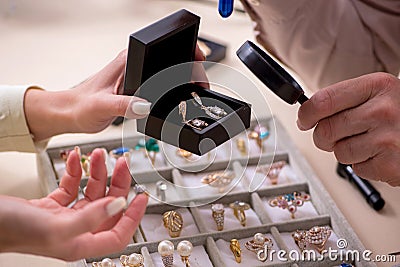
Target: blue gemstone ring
120,151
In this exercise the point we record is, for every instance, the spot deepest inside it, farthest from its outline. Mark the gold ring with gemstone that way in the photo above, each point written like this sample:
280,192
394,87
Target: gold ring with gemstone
184,249
259,134
239,208
259,243
219,179
272,171
106,262
173,221
218,212
235,248
290,201
183,153
133,260
316,236
241,146
166,250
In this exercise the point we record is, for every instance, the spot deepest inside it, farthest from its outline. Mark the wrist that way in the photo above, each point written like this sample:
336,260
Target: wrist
47,113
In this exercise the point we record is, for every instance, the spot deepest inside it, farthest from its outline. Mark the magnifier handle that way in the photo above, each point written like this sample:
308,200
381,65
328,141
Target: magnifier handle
302,99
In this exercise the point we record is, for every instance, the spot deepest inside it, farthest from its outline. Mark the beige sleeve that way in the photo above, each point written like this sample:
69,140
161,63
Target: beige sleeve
14,131
328,41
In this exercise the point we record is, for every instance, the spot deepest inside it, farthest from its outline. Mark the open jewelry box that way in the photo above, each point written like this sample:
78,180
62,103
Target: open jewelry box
160,69
211,247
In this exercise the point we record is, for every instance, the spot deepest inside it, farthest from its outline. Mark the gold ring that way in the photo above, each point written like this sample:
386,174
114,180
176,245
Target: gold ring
166,250
238,210
183,153
120,152
218,215
316,236
241,146
219,179
184,249
173,221
272,171
260,243
106,262
290,201
259,134
133,260
235,248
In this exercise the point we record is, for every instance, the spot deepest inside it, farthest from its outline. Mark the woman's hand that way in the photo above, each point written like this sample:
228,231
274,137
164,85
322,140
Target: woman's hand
93,226
359,121
90,106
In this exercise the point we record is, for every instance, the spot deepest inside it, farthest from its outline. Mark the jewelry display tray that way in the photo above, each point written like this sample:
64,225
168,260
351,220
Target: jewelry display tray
327,212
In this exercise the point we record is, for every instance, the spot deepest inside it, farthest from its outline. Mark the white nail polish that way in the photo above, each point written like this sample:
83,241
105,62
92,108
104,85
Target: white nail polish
141,107
116,206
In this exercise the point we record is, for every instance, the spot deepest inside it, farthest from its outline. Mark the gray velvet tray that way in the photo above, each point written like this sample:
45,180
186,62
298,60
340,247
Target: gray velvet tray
177,172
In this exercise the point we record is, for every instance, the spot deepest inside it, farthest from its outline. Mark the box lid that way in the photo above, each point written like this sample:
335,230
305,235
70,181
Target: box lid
165,43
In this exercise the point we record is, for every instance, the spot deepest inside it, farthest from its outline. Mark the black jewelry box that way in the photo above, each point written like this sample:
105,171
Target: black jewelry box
152,52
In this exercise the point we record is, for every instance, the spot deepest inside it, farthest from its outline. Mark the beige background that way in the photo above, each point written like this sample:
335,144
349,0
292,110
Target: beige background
57,44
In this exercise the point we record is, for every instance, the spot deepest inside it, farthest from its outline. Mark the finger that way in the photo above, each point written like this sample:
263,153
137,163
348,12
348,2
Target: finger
336,98
69,185
121,179
378,169
116,239
131,107
89,217
199,54
356,149
344,124
97,182
119,187
199,75
113,70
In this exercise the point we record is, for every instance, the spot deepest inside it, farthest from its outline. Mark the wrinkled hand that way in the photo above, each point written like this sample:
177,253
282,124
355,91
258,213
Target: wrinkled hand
359,121
94,226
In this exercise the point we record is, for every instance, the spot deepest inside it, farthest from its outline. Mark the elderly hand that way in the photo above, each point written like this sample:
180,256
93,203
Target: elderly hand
93,226
359,121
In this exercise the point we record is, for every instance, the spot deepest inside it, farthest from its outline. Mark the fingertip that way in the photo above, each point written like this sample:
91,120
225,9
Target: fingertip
300,126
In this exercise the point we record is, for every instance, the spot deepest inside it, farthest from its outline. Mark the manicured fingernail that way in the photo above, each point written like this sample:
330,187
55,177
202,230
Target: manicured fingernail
78,151
301,127
116,206
141,107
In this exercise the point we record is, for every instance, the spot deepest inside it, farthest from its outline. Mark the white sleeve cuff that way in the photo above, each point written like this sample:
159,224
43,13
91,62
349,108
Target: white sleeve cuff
14,131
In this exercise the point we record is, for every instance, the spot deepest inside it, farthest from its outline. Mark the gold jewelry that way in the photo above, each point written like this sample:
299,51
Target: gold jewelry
241,146
184,249
317,236
173,221
106,262
290,201
238,210
235,248
133,260
219,179
166,250
259,243
259,134
214,112
272,171
183,153
194,123
218,215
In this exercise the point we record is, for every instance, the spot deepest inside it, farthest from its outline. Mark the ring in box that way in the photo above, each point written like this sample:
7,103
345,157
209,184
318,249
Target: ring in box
157,52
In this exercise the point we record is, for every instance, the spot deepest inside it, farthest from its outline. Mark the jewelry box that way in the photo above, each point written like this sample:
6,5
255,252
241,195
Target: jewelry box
160,68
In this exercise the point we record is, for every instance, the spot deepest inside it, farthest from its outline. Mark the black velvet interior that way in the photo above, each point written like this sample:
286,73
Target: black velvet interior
166,108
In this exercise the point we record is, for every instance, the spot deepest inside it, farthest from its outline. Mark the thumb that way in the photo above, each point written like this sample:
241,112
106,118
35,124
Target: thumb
131,107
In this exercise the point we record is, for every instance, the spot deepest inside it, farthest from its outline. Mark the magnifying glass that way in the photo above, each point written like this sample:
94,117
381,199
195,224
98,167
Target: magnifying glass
271,73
